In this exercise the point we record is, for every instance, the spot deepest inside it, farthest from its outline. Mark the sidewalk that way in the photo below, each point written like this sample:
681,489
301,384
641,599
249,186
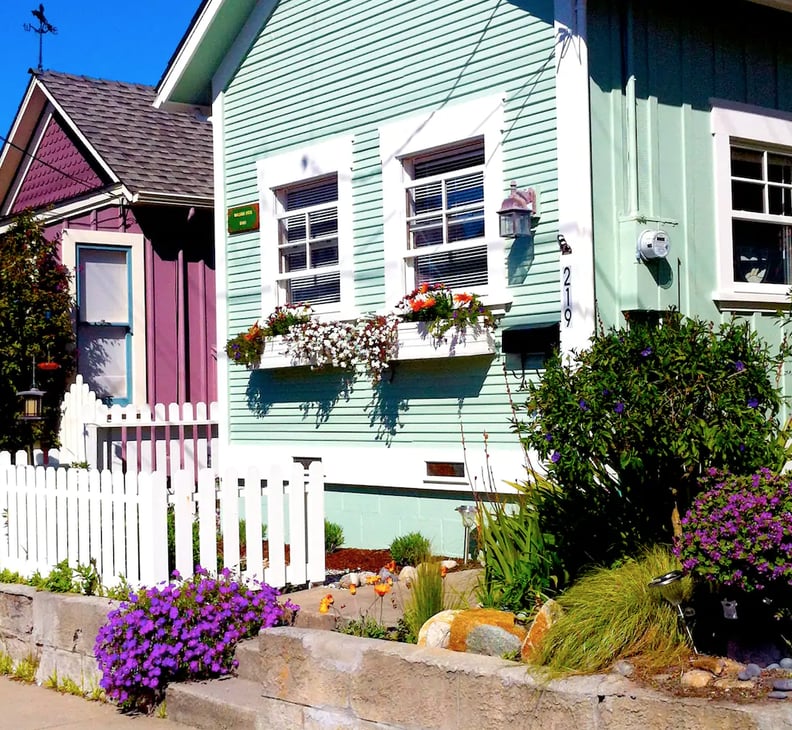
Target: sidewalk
29,707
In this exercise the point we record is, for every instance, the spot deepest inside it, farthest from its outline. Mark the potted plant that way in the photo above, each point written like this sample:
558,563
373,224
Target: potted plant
247,348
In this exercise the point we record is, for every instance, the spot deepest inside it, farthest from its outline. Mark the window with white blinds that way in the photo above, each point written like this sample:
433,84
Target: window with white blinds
445,217
308,268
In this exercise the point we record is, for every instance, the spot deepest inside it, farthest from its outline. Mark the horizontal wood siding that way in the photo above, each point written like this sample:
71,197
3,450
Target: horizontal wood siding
681,55
320,70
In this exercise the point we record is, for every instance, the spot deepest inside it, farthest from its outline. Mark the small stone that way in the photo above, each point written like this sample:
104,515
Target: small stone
753,670
624,668
731,683
492,641
437,630
774,665
696,678
782,685
448,564
743,676
776,695
354,579
786,663
408,575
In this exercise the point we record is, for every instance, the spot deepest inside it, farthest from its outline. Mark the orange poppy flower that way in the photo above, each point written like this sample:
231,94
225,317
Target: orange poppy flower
372,579
329,598
382,589
353,589
391,566
323,607
423,288
389,581
443,571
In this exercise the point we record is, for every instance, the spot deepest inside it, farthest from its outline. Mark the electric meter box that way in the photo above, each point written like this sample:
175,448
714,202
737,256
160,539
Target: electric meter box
653,245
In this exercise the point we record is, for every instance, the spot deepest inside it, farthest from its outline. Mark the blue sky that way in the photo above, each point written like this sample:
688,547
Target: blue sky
130,41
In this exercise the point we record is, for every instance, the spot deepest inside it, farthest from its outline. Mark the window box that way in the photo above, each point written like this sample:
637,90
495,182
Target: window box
416,343
274,356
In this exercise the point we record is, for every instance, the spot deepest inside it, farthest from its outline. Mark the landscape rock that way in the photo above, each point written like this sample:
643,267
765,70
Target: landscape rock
624,668
786,663
436,631
492,641
777,695
468,620
712,664
548,614
696,678
448,564
408,575
782,685
753,670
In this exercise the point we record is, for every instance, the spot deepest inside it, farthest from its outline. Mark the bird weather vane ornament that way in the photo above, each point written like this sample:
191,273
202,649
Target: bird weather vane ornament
44,26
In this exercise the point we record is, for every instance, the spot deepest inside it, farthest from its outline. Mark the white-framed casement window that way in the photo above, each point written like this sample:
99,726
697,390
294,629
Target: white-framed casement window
753,168
109,312
442,179
306,227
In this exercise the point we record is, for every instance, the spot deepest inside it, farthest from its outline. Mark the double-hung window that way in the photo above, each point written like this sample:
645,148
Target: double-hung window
308,243
753,184
445,217
305,198
442,180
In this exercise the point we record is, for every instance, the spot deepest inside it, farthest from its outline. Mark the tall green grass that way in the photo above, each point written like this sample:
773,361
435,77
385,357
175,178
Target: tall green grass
612,614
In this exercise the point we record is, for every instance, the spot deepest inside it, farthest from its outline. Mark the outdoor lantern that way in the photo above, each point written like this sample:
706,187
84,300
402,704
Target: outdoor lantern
31,401
518,213
468,515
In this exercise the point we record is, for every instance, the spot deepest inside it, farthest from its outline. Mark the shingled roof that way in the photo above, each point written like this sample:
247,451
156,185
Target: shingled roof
150,150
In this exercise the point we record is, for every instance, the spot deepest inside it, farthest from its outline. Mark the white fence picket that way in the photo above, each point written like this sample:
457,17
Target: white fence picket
119,521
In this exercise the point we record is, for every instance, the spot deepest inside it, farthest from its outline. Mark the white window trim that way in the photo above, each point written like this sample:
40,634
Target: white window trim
481,117
754,125
295,166
71,238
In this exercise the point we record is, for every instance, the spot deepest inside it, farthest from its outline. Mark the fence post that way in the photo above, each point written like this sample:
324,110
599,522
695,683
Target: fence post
315,512
183,515
207,520
296,570
229,517
255,556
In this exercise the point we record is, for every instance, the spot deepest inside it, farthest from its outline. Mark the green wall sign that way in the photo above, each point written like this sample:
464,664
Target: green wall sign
243,218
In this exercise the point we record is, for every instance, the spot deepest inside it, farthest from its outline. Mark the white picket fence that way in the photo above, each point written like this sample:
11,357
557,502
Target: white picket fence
118,521
136,438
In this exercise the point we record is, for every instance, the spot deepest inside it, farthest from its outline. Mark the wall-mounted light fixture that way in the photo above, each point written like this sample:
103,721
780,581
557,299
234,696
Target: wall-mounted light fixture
518,216
31,400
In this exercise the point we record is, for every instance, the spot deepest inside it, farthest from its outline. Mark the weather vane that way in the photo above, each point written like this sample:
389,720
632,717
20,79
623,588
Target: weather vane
44,26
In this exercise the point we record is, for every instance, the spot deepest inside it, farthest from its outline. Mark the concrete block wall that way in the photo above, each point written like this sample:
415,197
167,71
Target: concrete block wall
325,679
58,629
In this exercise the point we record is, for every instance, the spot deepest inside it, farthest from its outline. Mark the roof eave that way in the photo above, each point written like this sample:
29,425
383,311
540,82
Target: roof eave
147,197
785,5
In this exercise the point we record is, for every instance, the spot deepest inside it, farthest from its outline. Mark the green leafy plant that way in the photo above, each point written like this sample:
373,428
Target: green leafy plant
737,532
611,614
444,310
59,580
364,626
519,562
411,549
334,536
6,664
25,670
35,326
627,427
246,348
427,597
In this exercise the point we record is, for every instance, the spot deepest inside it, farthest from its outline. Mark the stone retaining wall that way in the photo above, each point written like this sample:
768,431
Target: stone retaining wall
56,628
366,683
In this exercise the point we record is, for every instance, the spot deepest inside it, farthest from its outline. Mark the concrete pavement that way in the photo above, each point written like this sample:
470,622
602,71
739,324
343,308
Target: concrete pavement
29,707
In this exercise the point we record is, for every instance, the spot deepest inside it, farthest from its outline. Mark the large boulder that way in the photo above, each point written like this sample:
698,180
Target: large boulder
436,631
468,621
548,614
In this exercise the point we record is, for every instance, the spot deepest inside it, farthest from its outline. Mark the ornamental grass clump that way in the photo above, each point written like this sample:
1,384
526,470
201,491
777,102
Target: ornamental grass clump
612,614
187,629
738,532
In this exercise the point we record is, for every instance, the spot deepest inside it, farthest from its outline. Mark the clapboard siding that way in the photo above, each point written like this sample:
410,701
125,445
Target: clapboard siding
321,70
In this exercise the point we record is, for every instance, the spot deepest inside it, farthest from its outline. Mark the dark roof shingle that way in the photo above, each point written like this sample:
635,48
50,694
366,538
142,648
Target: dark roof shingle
150,150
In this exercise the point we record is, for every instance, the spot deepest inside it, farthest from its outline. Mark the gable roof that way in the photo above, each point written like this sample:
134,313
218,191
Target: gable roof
157,155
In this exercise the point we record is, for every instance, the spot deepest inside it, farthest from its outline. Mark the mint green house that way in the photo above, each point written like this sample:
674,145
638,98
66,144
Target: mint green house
656,136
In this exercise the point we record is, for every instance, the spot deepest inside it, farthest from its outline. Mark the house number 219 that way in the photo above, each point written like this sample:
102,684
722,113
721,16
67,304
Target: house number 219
566,295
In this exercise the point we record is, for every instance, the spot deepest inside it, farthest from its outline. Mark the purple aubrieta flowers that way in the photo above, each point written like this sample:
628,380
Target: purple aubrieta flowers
183,629
739,531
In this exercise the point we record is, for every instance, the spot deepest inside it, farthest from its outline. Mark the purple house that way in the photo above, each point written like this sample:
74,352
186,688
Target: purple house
128,191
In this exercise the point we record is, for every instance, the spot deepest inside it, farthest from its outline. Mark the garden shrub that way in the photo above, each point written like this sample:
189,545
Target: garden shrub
184,630
611,614
427,597
627,427
411,549
739,532
334,536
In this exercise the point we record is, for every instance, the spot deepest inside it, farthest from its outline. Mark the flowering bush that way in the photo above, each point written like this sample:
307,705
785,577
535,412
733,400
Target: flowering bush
186,629
365,344
444,310
246,348
627,427
739,531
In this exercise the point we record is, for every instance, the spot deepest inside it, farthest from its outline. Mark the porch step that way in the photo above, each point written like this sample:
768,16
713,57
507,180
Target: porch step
249,657
220,704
